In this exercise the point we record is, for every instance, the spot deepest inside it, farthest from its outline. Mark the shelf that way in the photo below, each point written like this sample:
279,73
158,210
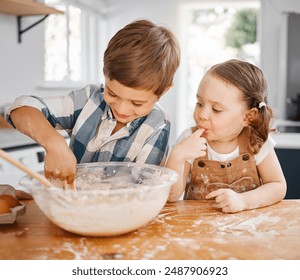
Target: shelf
26,8
21,8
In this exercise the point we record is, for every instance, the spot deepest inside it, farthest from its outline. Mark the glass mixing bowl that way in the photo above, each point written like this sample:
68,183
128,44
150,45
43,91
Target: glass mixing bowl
111,198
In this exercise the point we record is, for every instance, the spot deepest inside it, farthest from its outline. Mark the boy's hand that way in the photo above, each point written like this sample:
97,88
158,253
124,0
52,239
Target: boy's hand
60,163
227,200
193,146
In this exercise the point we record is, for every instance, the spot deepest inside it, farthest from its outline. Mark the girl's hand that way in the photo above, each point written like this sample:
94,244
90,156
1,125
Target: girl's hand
60,163
193,146
227,200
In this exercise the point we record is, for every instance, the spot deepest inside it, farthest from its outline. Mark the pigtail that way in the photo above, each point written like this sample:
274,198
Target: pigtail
260,128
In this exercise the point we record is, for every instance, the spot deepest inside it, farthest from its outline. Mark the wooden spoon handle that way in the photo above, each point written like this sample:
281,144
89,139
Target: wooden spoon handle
19,165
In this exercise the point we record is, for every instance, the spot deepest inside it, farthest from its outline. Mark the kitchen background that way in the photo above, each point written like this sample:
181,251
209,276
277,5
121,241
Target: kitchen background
45,61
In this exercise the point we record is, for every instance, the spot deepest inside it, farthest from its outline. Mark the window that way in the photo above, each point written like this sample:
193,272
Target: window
74,43
214,32
63,47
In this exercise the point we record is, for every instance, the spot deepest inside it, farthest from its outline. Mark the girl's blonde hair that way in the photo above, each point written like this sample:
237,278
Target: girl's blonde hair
249,79
142,55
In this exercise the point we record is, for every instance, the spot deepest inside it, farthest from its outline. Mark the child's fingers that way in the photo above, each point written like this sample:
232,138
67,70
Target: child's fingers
214,194
199,132
222,204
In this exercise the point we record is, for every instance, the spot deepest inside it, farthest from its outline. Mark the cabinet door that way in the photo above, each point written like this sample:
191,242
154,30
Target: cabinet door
289,160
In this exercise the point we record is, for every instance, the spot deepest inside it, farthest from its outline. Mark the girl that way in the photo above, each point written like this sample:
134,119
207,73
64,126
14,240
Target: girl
229,156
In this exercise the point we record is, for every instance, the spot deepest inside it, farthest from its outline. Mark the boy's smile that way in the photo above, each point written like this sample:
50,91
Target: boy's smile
128,104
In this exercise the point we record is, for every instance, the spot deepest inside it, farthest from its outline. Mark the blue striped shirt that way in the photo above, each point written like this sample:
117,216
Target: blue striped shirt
88,119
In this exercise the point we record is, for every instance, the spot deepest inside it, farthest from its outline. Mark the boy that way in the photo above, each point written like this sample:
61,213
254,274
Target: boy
116,122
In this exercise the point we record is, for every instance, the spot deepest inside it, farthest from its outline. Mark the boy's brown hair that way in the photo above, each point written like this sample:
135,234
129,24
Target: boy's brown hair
142,55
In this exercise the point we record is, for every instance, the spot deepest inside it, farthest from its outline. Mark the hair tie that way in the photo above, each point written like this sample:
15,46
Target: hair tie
262,104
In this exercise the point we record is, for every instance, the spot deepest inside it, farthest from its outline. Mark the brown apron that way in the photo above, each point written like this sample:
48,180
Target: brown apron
239,174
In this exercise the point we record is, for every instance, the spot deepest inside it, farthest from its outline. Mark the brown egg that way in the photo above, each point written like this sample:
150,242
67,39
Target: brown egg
10,200
4,207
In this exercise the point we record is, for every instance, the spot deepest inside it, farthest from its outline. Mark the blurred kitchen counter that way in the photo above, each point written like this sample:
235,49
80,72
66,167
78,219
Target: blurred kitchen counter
288,135
287,140
183,230
4,123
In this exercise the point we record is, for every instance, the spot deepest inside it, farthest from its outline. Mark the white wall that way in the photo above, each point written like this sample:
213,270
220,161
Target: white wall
272,48
21,65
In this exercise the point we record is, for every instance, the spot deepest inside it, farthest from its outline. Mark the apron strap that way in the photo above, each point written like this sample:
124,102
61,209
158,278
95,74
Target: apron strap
244,140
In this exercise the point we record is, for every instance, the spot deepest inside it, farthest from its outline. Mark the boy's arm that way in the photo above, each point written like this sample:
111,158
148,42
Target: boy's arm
61,111
33,123
271,191
151,144
156,148
60,162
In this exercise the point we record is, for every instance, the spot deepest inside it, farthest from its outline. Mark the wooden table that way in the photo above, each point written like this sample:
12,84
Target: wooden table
183,230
